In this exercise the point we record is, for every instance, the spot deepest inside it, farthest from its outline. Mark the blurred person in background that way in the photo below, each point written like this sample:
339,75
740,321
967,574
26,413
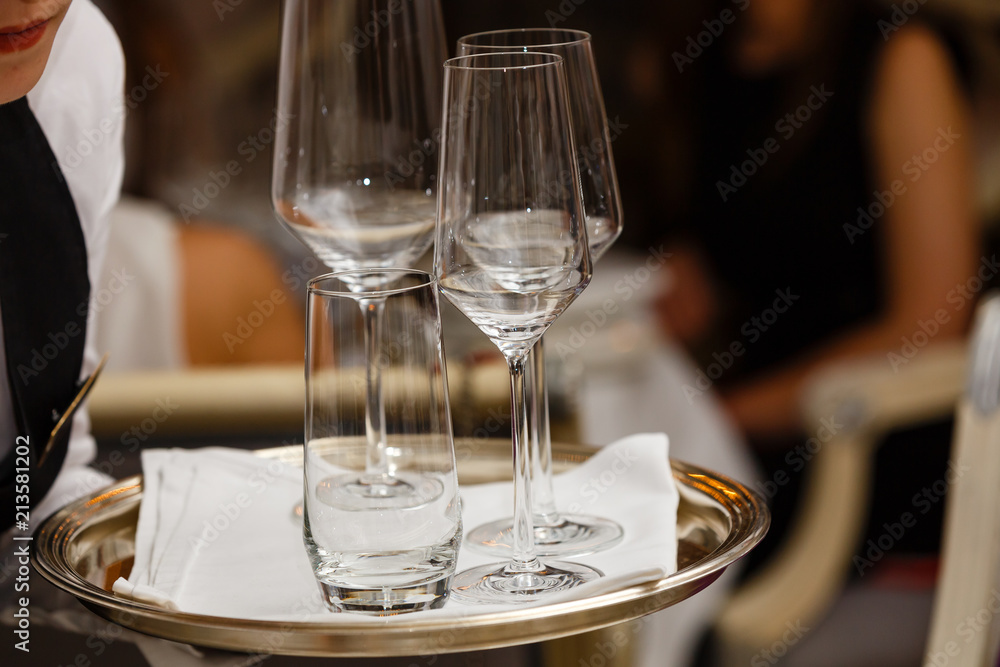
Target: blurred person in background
178,294
832,211
200,272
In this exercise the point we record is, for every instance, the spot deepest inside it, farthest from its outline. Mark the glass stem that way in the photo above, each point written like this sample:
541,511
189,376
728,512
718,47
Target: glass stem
543,501
524,559
378,464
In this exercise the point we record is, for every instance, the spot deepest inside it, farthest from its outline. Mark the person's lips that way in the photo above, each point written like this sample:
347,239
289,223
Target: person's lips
19,38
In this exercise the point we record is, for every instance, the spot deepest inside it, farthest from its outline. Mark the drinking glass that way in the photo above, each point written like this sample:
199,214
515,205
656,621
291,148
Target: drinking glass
511,253
560,534
379,560
359,95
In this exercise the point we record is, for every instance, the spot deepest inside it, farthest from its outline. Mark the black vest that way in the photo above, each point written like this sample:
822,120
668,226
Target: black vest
44,299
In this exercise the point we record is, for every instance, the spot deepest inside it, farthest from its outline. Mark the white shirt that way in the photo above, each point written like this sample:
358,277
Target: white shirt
80,106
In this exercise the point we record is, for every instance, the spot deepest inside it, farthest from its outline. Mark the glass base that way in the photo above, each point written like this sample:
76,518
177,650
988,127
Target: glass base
495,583
378,492
385,601
573,535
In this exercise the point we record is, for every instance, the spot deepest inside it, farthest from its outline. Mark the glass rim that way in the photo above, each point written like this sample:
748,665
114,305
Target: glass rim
457,63
582,38
312,287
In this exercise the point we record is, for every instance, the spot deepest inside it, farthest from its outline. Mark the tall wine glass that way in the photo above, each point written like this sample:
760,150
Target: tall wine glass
560,534
511,253
359,94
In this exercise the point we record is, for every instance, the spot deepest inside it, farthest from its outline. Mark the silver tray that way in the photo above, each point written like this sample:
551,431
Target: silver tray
87,545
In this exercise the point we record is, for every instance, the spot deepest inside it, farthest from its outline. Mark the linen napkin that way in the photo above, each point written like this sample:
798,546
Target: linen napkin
216,533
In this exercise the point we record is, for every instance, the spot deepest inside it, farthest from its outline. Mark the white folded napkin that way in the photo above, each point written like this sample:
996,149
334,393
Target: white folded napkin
216,534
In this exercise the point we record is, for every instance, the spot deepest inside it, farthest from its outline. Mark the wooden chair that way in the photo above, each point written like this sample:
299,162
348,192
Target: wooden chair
857,405
965,627
850,411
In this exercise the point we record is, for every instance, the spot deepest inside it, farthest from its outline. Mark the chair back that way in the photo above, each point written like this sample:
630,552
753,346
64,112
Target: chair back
966,617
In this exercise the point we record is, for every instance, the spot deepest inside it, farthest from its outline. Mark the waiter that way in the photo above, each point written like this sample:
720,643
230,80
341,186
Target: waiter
61,95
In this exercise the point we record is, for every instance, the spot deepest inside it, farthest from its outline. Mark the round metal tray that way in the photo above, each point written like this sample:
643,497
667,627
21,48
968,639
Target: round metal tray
88,544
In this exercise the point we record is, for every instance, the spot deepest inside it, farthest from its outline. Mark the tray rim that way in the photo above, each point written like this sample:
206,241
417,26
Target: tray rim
747,513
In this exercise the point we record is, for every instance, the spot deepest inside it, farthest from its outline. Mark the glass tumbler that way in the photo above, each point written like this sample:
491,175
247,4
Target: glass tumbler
378,558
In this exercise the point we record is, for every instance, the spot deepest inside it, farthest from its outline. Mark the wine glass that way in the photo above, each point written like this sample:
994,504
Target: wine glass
359,95
511,253
376,560
559,534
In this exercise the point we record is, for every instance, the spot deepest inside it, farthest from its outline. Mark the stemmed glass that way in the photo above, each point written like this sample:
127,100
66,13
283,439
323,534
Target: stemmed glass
511,253
558,534
359,96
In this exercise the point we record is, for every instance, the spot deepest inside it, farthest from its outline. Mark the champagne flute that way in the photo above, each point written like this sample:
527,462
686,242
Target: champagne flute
511,253
354,179
560,534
